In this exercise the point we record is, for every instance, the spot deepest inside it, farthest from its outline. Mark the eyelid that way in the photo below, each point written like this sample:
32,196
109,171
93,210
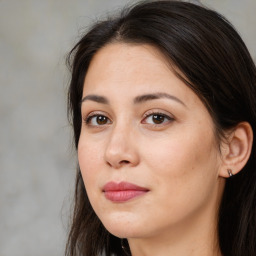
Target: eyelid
92,114
168,119
159,112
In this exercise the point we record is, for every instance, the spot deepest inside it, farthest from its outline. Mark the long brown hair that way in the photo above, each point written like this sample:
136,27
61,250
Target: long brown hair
216,65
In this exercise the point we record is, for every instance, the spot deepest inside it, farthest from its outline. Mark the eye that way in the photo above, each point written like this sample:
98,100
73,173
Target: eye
97,120
157,118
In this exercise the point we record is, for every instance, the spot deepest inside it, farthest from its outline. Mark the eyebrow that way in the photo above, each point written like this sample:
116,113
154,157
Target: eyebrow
96,98
155,96
137,100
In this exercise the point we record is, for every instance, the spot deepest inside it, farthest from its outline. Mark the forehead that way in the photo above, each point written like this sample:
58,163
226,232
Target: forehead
128,59
131,65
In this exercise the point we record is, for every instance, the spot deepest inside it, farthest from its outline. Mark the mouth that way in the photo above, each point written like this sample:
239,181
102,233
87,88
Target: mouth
123,191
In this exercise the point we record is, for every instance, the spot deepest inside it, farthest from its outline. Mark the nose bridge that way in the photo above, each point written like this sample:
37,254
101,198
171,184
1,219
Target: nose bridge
119,133
121,148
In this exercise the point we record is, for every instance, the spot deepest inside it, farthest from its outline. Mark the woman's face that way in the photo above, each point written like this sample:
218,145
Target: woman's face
147,149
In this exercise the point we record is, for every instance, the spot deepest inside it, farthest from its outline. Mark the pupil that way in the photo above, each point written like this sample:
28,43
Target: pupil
101,120
158,119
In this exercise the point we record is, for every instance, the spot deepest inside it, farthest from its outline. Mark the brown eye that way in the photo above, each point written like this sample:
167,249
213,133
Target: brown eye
101,120
158,119
97,120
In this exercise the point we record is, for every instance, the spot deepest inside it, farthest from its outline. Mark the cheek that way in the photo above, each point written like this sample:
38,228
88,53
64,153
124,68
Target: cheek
178,156
184,167
183,150
89,157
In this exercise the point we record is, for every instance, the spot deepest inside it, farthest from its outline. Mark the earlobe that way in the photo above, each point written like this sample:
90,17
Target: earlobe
237,150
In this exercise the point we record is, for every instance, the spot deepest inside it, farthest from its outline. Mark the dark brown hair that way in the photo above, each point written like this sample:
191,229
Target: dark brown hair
214,62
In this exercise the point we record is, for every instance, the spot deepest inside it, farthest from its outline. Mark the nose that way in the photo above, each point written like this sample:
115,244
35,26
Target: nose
122,148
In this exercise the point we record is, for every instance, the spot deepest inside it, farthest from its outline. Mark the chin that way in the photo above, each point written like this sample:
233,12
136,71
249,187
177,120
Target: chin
123,225
124,233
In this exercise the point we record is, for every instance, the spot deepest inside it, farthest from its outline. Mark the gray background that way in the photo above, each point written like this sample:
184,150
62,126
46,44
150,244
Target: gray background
37,164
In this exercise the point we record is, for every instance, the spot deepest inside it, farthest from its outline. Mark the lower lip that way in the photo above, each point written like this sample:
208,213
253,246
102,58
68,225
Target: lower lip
123,195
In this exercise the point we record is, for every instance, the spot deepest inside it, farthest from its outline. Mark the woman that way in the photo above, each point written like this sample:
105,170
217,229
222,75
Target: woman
163,105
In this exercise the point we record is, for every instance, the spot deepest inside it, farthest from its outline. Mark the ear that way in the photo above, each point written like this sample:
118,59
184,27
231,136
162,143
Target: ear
236,151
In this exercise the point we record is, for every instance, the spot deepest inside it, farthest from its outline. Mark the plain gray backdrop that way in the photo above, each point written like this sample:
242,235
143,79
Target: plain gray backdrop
37,164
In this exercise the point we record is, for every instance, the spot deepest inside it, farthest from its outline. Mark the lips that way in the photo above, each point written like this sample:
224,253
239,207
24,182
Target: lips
123,191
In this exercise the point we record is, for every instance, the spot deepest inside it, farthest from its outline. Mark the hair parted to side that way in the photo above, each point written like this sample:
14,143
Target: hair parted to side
211,58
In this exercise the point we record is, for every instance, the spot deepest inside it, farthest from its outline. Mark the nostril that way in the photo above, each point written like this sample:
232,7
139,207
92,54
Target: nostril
124,162
120,164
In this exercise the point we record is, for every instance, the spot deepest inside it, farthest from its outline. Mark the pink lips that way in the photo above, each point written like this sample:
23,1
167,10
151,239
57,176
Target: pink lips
123,191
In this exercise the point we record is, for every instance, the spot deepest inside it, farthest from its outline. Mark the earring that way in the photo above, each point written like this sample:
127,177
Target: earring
230,172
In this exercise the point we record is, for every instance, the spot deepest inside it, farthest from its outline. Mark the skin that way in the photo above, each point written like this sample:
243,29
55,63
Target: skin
177,160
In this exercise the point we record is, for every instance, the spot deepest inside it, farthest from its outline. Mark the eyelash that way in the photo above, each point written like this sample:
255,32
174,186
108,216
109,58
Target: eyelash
88,119
167,117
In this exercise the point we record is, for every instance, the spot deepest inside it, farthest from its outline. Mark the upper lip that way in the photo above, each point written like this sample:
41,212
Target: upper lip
122,186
